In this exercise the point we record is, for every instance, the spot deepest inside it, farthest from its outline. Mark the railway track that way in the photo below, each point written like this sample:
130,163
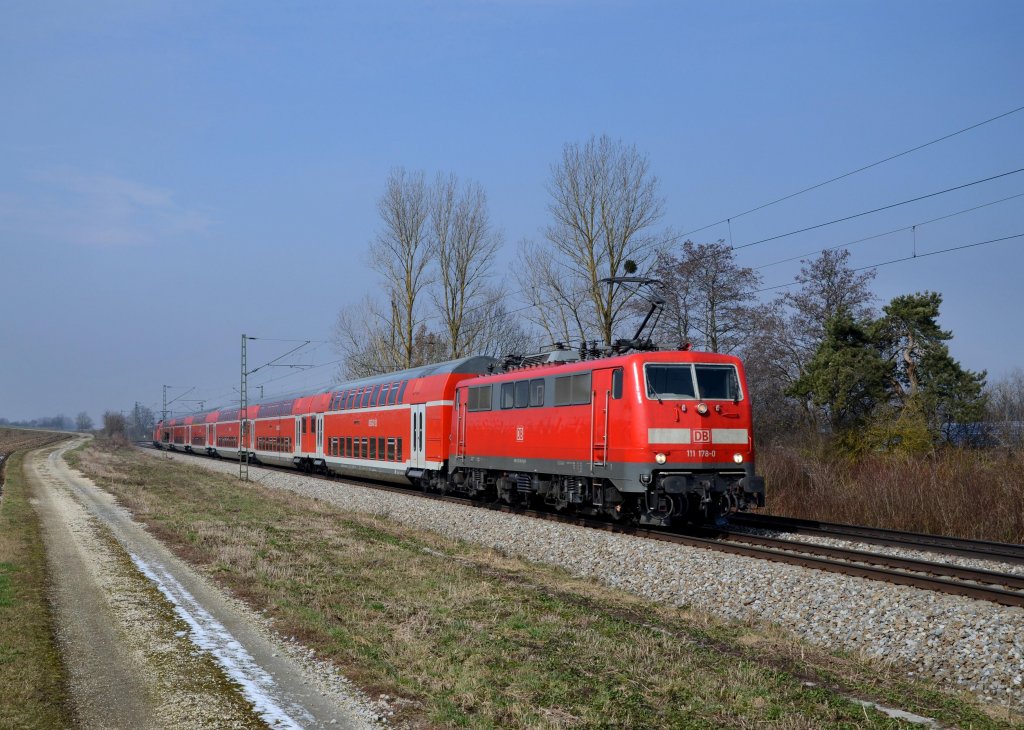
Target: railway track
997,587
975,549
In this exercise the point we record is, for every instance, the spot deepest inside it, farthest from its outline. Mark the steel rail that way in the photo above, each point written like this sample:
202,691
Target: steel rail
976,549
788,552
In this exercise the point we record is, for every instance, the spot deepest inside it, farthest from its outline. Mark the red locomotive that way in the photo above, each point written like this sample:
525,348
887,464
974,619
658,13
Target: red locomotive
656,437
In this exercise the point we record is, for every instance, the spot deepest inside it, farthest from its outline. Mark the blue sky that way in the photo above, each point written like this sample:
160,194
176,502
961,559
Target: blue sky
174,175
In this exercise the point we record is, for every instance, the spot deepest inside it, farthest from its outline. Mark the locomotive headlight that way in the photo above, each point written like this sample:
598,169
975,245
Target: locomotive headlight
660,458
702,409
738,458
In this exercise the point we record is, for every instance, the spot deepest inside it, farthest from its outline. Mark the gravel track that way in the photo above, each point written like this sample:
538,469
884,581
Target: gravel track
151,644
958,642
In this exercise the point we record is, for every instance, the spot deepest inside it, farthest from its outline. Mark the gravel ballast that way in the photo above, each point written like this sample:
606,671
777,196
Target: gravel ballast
958,642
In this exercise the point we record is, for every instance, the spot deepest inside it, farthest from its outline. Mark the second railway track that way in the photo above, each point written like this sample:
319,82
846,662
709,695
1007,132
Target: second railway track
1003,588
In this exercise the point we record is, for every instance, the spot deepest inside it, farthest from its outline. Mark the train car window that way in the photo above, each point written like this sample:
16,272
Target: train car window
348,446
508,395
581,389
522,393
674,382
536,393
398,450
303,425
401,390
563,390
391,449
375,396
383,399
717,382
617,383
365,400
380,448
373,448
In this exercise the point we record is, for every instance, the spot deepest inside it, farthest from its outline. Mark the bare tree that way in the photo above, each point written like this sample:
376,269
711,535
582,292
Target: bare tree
604,205
558,304
83,422
464,243
401,254
708,296
114,425
366,335
828,285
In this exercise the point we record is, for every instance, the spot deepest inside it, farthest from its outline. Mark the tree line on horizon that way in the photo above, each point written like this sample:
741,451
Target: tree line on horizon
820,358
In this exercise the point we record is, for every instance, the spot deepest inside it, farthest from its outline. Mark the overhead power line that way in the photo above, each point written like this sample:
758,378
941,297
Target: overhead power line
889,233
907,258
854,172
877,210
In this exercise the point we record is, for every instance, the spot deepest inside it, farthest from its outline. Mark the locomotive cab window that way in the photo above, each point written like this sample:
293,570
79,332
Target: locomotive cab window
718,382
689,382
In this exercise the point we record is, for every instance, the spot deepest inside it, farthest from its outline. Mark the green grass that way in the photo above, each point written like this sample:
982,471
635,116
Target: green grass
467,637
32,679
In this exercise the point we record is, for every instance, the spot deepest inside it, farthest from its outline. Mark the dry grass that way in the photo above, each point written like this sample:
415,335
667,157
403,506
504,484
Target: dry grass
966,493
468,637
31,675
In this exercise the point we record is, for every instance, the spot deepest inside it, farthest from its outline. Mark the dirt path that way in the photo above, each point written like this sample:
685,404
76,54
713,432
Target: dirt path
148,642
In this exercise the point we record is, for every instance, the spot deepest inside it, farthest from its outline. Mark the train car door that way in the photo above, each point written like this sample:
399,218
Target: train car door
606,388
418,428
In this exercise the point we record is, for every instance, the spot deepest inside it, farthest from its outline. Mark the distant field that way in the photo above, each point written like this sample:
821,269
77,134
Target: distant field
461,636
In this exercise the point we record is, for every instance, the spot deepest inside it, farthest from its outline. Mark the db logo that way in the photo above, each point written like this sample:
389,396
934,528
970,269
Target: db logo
520,433
701,436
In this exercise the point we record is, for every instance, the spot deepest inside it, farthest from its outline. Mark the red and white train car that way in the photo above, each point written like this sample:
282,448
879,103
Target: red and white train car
652,436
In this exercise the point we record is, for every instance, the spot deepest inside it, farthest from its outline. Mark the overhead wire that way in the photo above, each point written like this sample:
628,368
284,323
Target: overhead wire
858,170
906,258
876,210
888,233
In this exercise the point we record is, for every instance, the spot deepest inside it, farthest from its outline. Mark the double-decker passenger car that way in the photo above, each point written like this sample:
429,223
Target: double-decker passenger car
657,436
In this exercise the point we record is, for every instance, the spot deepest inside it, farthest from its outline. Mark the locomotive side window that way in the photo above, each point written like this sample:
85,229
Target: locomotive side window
617,383
581,389
479,398
536,393
670,381
718,382
522,393
572,390
563,390
508,395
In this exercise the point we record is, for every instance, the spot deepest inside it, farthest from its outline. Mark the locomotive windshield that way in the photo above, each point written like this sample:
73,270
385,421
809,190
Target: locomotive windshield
686,382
